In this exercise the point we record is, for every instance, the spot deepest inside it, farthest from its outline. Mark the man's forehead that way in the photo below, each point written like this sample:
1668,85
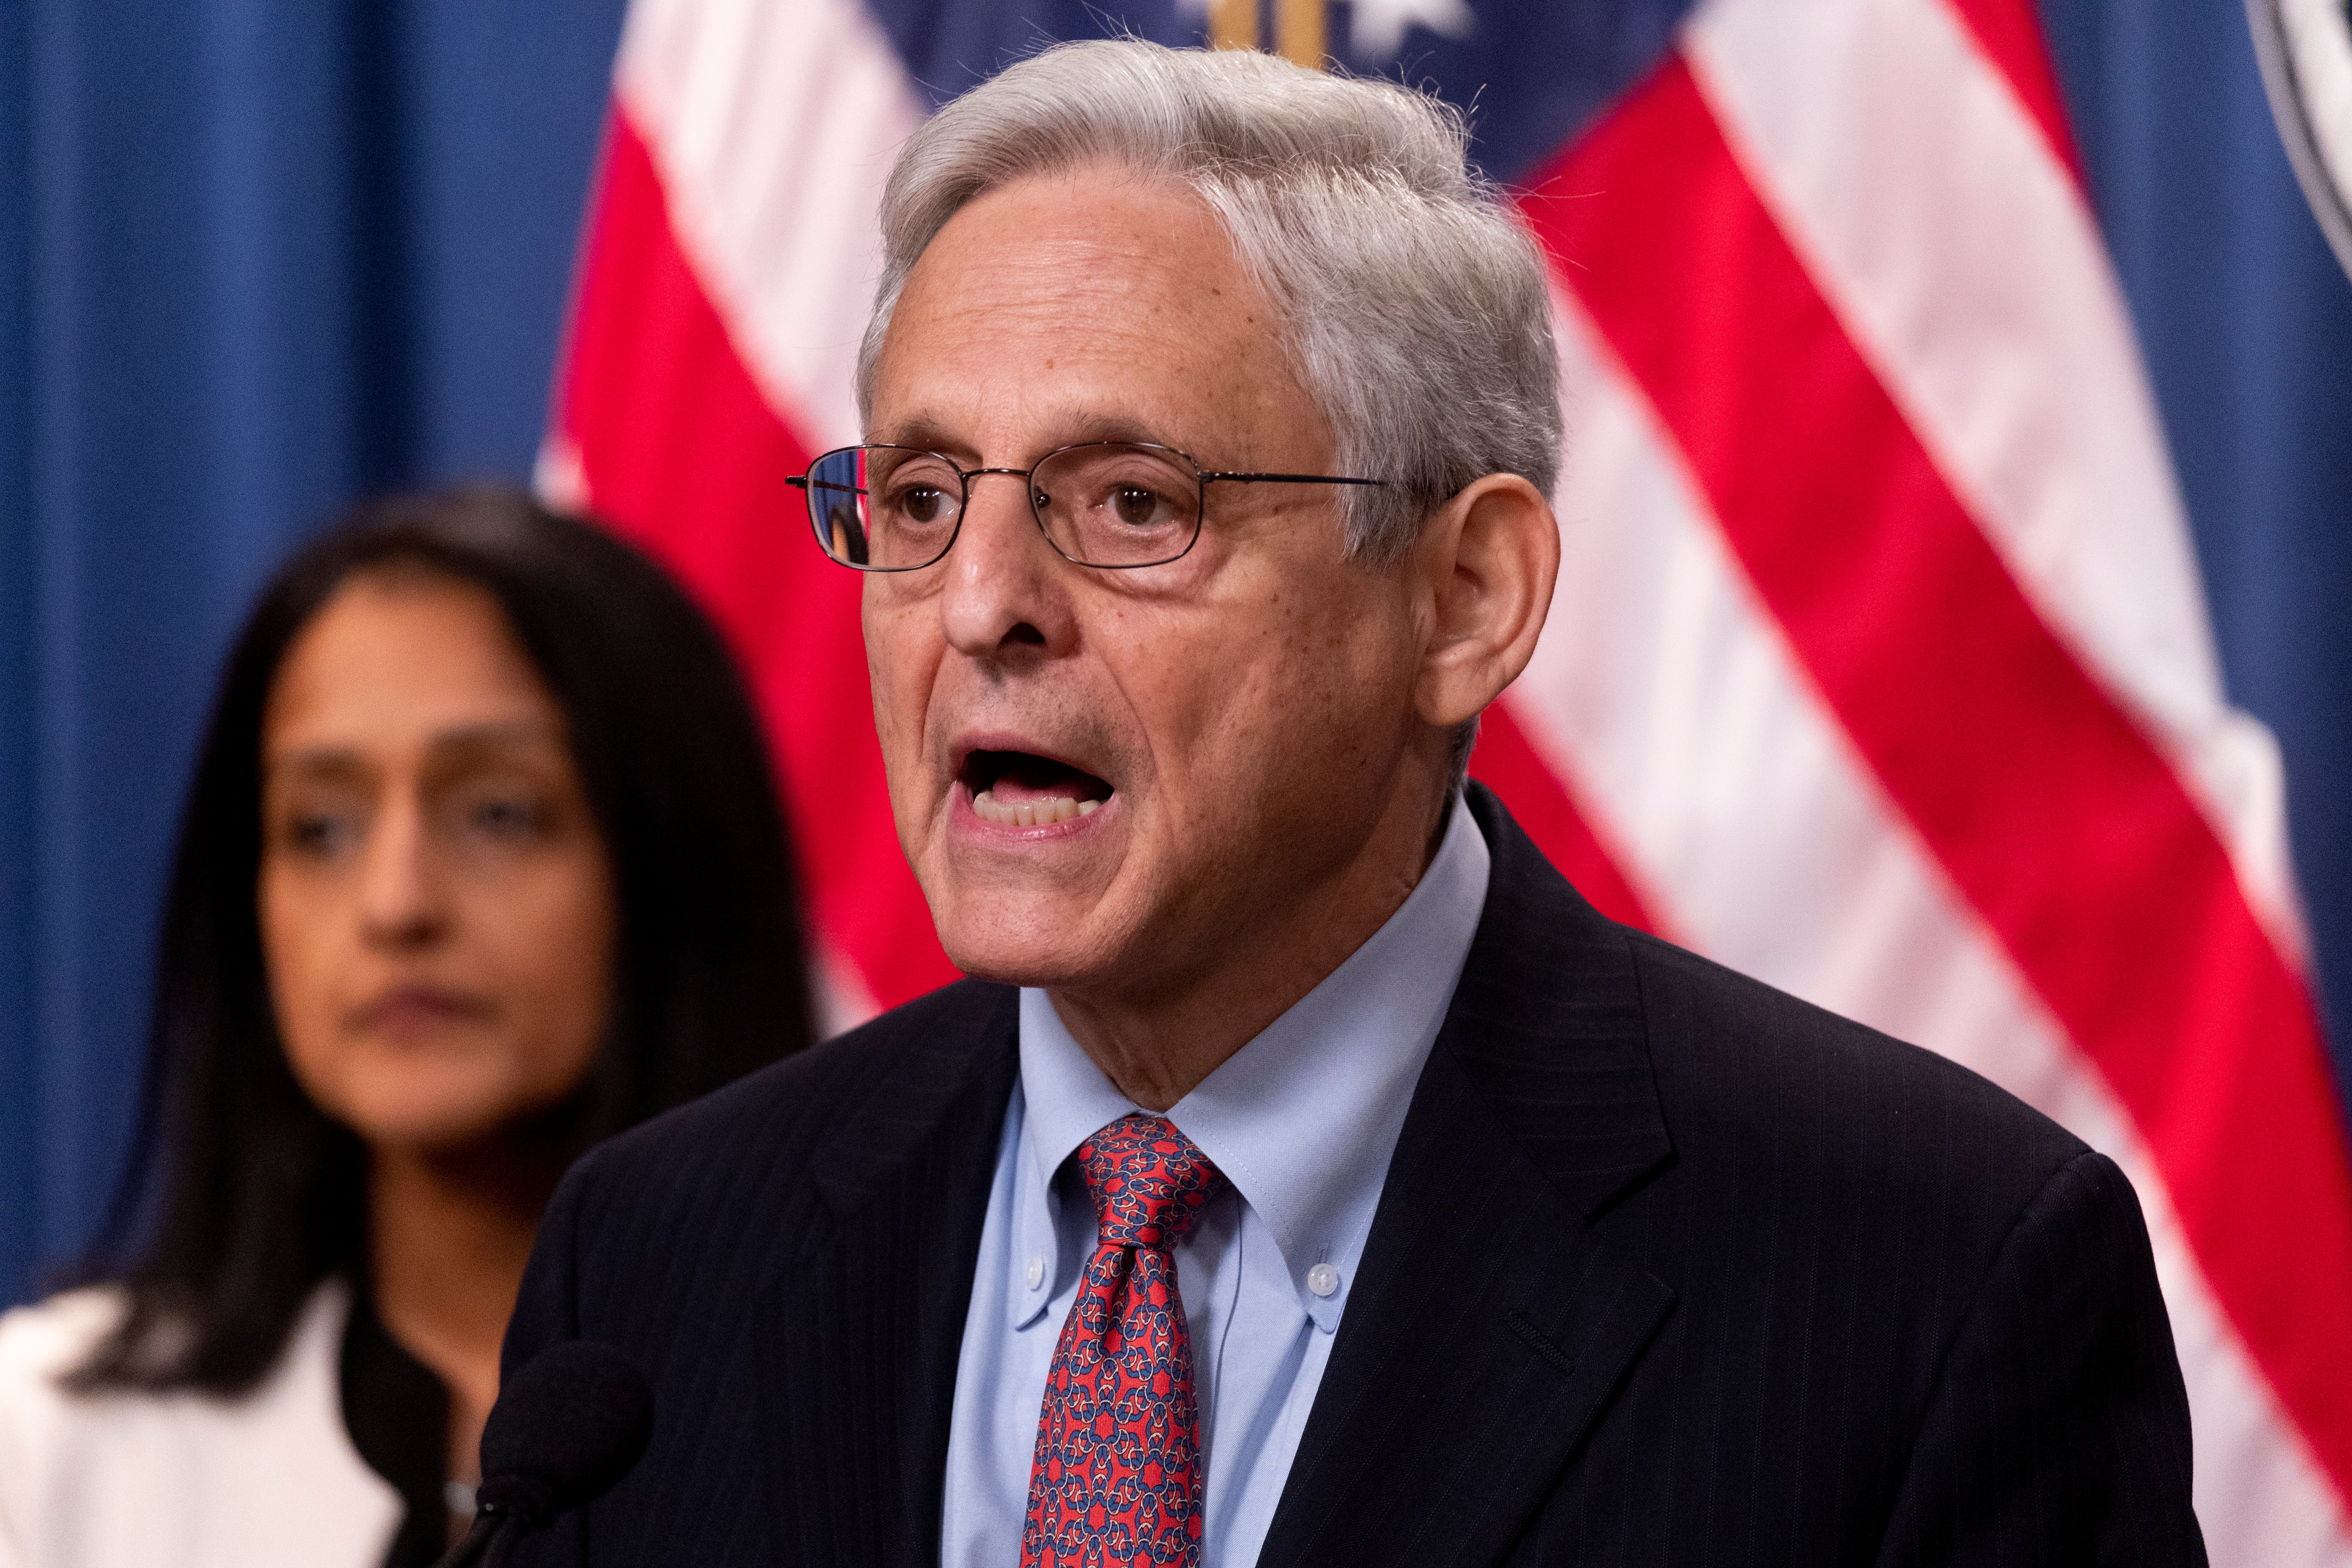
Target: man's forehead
1055,311
1046,248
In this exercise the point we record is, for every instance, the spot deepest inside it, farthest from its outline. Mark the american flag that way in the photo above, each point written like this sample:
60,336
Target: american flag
1880,665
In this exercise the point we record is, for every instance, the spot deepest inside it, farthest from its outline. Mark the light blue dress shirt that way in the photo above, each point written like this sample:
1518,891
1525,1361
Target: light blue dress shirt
1302,1121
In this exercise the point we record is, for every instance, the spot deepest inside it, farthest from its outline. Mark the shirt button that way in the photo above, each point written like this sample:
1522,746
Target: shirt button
1323,1280
1035,1274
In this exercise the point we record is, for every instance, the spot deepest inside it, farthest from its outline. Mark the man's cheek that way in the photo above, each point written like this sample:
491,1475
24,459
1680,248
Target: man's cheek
899,702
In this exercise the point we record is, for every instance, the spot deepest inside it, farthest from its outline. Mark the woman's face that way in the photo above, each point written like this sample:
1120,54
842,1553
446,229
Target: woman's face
436,907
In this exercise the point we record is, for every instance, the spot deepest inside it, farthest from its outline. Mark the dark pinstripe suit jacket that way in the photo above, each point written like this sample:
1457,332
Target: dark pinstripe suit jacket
1669,1269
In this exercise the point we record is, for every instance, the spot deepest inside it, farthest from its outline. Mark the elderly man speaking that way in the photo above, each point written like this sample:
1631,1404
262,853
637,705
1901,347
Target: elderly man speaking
1307,1174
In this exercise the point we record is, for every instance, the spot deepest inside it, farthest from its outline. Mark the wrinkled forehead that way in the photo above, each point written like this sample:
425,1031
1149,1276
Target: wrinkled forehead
1093,298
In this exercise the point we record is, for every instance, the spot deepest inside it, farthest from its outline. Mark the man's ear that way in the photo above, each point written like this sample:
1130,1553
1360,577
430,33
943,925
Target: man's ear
1489,558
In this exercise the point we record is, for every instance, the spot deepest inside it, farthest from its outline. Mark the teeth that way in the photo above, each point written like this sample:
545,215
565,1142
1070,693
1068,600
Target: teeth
1030,813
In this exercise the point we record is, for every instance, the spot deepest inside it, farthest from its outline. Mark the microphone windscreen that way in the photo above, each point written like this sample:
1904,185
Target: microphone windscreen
565,1429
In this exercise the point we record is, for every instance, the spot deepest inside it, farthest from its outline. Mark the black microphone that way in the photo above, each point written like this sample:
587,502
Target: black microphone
565,1429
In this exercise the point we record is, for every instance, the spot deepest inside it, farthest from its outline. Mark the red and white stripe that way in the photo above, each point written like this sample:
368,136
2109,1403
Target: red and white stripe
1879,665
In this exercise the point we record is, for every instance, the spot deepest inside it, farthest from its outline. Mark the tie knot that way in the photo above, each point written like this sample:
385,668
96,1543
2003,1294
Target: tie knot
1148,1180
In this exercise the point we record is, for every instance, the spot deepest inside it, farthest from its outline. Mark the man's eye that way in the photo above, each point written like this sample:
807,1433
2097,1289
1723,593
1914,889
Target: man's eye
1135,506
923,504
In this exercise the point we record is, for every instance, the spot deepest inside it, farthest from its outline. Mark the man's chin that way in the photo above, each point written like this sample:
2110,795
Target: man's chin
1013,942
1042,966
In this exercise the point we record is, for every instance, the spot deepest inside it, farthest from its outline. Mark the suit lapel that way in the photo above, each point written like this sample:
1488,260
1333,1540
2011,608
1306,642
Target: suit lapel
1490,1322
862,1331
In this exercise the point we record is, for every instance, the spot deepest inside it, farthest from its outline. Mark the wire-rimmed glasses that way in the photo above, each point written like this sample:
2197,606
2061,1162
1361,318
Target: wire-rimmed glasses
1116,505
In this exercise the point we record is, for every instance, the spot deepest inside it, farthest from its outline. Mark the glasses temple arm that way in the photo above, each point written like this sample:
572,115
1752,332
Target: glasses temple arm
1291,479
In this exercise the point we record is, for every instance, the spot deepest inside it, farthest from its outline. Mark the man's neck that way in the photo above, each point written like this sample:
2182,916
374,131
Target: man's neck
1157,1047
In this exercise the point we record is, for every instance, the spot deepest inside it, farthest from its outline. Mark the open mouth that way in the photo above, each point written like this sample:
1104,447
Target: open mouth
1021,789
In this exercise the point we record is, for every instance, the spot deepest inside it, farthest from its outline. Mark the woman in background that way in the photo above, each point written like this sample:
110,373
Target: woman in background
482,863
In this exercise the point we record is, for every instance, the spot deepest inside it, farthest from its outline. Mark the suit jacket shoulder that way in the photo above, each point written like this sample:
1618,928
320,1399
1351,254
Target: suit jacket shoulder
738,1168
1753,1078
788,1260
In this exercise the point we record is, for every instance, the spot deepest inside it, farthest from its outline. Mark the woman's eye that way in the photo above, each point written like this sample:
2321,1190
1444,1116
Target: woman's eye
321,834
506,816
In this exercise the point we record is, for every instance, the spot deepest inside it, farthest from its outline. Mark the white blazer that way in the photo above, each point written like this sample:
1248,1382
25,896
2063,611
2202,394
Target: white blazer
182,1480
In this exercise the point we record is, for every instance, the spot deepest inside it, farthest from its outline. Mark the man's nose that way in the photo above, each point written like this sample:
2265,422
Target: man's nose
403,898
1005,587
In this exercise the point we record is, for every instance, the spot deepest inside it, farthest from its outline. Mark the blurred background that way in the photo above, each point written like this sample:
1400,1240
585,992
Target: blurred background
259,259
256,261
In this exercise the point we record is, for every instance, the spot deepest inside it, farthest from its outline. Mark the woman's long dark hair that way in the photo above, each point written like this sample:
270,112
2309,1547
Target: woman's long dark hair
241,1196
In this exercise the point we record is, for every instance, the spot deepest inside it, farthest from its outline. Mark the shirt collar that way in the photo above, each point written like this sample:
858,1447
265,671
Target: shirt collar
1303,1119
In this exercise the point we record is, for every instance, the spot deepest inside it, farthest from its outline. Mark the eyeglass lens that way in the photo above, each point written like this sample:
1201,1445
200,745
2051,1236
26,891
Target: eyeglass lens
1111,504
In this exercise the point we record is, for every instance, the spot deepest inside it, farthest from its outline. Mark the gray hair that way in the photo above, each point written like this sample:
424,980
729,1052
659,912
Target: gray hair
1413,301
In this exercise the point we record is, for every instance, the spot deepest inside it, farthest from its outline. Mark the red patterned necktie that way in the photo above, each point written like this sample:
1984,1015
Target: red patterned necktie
1117,1477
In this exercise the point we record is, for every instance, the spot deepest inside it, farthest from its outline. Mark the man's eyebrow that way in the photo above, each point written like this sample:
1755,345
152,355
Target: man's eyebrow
1110,428
1075,430
920,433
